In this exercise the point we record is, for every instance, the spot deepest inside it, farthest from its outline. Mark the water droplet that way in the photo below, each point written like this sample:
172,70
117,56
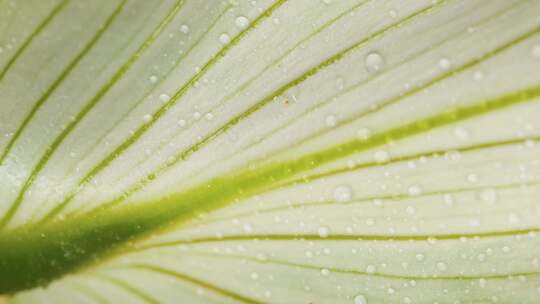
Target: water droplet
340,83
330,121
478,75
209,116
147,118
441,266
363,133
360,299
197,115
381,156
489,196
181,123
343,193
242,22
392,13
536,51
254,276
323,231
327,2
153,79
370,269
224,38
390,290
374,62
419,257
461,133
164,97
325,272
184,29
415,190
444,64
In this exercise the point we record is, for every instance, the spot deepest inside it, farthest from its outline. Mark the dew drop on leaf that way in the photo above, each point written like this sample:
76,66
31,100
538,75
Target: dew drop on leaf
444,64
360,299
323,231
153,79
164,97
242,22
343,193
374,62
147,118
536,51
184,29
224,38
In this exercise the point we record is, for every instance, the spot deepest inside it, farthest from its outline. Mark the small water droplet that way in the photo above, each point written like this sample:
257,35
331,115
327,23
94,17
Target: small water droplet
444,64
441,266
242,22
164,97
254,276
392,13
153,79
340,83
370,269
224,38
415,190
536,51
419,257
197,115
363,133
209,116
330,121
181,123
374,62
489,196
325,271
360,299
147,118
478,75
323,231
184,29
381,156
343,193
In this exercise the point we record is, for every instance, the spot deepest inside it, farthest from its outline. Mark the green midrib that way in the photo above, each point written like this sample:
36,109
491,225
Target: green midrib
30,257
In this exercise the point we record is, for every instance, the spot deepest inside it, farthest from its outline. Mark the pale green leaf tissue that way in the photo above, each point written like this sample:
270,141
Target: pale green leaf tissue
270,151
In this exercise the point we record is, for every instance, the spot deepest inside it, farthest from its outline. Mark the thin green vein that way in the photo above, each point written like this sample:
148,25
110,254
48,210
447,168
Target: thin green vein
88,292
162,110
134,291
59,139
194,281
432,277
472,148
344,237
65,73
57,9
314,70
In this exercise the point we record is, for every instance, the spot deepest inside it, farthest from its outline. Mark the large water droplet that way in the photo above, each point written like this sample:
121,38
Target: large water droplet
374,62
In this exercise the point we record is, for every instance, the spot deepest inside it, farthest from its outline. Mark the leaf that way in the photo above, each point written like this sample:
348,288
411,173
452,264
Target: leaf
269,151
